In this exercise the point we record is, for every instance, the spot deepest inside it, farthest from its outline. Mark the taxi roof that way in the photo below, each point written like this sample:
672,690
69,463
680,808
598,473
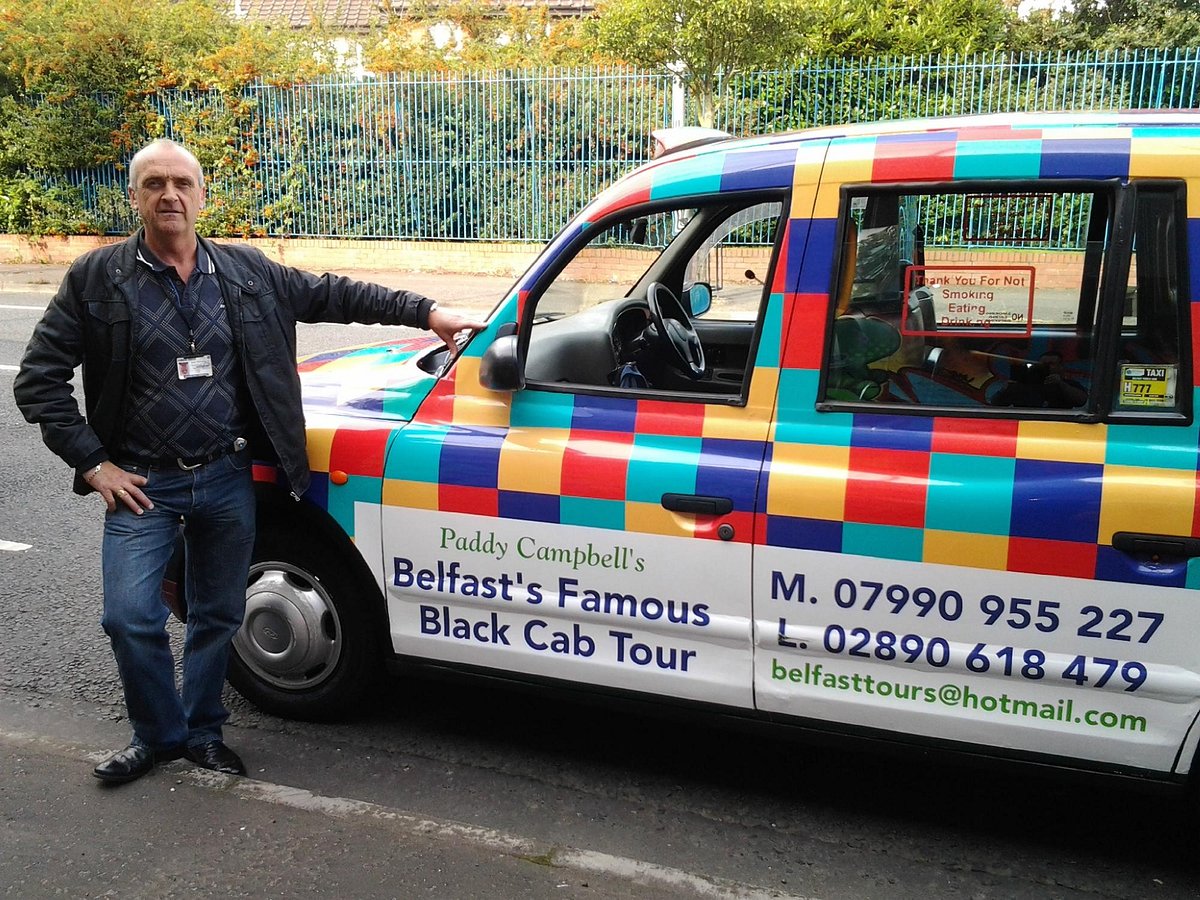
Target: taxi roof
1013,122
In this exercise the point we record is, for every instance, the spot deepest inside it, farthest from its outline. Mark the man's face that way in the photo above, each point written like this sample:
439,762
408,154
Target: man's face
168,195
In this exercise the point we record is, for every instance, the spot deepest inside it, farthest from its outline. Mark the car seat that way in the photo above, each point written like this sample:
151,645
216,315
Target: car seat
857,342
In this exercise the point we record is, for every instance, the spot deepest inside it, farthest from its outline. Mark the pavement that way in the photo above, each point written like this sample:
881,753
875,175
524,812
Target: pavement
181,831
463,292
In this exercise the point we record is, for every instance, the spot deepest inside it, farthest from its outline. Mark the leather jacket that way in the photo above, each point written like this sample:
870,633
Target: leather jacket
89,322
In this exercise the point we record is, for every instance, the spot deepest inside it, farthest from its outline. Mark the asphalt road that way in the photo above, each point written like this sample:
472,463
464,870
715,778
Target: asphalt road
454,790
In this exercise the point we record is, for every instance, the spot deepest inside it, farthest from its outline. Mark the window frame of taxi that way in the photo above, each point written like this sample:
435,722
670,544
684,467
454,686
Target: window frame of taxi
1103,289
707,214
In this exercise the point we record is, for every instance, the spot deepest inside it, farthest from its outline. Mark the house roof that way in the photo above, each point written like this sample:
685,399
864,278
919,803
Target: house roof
560,8
360,15
343,15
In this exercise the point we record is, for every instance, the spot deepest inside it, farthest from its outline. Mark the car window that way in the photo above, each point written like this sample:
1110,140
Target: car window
610,264
734,259
975,300
705,268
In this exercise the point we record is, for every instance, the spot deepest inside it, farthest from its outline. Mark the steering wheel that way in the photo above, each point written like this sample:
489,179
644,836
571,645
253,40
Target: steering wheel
676,336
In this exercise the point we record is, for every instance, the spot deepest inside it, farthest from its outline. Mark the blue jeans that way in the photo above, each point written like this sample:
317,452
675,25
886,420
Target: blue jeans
216,506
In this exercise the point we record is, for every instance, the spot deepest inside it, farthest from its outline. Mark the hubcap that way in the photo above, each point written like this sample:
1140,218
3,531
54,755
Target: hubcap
291,635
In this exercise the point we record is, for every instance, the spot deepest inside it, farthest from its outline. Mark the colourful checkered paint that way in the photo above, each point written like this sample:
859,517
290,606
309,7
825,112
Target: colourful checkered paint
908,571
1017,496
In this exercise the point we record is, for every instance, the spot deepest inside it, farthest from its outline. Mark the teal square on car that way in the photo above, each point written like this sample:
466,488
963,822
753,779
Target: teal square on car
343,497
592,513
701,175
416,453
772,333
971,494
980,159
402,403
1140,445
887,541
1193,574
799,422
662,464
538,409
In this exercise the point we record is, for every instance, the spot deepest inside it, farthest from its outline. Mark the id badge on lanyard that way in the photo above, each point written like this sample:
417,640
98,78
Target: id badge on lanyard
198,365
194,366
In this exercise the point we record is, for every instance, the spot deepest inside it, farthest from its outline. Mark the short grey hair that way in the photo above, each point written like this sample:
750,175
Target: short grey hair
139,158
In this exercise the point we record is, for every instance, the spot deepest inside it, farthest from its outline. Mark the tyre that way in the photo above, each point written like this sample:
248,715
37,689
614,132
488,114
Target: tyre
309,645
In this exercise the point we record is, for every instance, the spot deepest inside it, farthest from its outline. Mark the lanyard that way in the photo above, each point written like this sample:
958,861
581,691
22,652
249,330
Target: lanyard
187,312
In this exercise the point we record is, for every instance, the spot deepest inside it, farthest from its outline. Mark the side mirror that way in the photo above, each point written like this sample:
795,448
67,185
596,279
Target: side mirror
700,298
502,368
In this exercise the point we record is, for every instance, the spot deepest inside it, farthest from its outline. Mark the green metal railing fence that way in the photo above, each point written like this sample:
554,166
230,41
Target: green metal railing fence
497,156
840,91
510,156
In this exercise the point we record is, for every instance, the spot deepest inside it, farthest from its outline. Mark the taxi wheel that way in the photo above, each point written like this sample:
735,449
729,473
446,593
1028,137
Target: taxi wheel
306,648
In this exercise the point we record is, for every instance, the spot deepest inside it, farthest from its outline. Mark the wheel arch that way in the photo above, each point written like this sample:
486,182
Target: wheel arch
280,511
315,637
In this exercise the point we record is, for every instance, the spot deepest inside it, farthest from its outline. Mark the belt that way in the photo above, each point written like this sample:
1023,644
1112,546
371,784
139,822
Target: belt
186,463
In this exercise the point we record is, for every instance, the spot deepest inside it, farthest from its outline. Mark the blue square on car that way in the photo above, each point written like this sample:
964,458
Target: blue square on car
471,457
1056,500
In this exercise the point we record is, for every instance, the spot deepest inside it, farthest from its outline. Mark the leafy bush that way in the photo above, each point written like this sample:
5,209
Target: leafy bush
80,88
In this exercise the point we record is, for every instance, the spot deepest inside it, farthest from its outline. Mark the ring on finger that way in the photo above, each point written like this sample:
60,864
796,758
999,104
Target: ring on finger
121,492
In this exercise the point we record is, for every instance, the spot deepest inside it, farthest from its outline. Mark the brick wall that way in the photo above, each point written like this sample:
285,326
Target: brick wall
602,265
1051,270
317,255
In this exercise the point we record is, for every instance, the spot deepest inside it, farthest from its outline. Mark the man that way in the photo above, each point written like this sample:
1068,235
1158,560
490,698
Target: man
1042,385
188,352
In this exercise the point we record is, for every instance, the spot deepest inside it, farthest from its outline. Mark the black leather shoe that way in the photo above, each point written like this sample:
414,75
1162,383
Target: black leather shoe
216,756
126,765
134,762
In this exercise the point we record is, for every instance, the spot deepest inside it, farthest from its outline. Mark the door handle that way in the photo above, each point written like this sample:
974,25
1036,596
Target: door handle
697,504
1156,544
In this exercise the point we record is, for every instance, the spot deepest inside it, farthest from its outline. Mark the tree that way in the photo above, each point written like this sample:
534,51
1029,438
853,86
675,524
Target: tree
857,28
701,41
1117,24
79,82
482,36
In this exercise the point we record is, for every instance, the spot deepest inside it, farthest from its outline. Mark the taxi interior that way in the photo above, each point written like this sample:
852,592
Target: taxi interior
666,311
911,264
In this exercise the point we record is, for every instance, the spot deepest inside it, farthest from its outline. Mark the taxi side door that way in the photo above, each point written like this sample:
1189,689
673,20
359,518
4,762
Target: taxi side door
595,525
981,499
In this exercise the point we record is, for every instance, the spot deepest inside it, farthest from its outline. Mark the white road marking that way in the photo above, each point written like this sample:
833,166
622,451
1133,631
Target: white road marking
14,547
30,308
635,870
10,368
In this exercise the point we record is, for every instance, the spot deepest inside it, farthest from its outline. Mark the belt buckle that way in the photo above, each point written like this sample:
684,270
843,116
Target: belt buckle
185,466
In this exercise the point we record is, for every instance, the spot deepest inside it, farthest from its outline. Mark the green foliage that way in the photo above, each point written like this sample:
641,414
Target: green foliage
1117,24
701,40
1044,31
1110,25
447,150
28,206
80,83
857,29
469,35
